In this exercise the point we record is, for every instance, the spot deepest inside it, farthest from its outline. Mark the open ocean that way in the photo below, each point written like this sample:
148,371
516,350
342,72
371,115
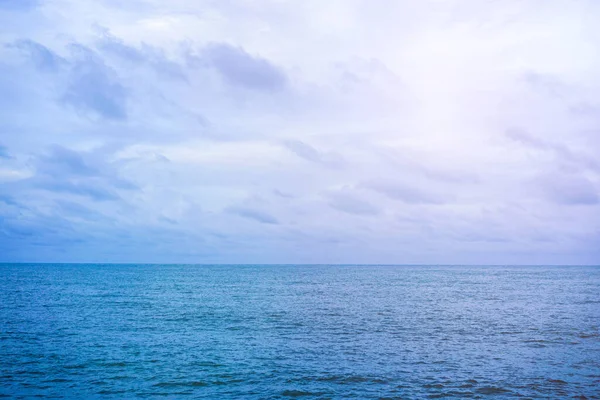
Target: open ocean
310,332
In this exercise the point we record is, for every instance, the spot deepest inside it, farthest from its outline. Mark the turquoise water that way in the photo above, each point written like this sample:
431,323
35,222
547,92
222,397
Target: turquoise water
262,332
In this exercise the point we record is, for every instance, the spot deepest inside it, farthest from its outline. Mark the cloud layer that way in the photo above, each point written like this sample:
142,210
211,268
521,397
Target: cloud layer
300,132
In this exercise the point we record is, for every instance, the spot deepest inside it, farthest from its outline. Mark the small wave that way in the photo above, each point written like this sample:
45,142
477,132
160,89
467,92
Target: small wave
104,392
119,378
536,343
300,393
57,380
468,384
228,382
180,384
178,319
433,386
115,364
438,395
350,379
557,381
196,384
206,364
588,335
75,366
491,390
30,372
235,328
460,395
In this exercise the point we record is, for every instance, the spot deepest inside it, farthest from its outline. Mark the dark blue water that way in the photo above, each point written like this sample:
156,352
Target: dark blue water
260,332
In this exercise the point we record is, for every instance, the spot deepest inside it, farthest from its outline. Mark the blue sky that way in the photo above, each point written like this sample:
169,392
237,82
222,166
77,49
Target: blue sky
283,131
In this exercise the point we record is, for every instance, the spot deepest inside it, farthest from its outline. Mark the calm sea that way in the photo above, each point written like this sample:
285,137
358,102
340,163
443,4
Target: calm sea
267,332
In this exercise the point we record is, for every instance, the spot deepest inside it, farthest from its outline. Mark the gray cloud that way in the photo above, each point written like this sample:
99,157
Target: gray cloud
91,188
284,195
62,170
149,55
256,215
303,150
78,210
43,58
546,83
406,160
240,68
404,192
95,87
529,140
350,204
60,161
558,149
568,190
115,46
8,200
309,153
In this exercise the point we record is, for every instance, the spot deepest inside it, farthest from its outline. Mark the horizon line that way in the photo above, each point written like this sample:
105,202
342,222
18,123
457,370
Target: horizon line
302,264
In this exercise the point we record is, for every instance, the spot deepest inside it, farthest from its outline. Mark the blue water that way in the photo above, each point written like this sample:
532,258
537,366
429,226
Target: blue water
262,332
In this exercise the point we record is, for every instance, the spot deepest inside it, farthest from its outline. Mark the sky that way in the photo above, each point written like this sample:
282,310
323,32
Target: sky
278,131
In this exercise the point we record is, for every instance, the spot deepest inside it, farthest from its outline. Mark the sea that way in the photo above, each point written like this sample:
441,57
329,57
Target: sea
95,331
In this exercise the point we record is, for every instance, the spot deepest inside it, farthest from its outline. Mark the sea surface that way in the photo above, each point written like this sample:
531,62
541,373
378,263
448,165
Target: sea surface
308,332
